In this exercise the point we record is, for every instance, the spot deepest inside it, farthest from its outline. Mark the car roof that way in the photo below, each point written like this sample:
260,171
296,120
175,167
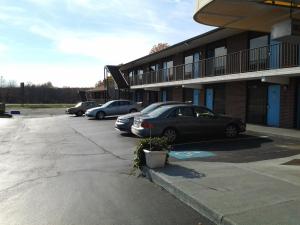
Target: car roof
182,105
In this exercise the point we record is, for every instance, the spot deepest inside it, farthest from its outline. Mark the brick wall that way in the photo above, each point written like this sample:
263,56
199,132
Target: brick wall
237,43
176,93
236,99
202,96
288,104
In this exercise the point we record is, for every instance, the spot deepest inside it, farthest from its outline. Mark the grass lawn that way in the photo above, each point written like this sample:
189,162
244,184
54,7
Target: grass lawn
38,106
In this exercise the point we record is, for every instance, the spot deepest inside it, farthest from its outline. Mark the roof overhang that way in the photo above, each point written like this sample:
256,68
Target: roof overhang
256,15
206,38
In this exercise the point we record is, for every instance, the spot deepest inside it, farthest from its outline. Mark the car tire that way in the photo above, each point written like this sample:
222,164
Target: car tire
170,134
231,131
79,113
132,111
100,115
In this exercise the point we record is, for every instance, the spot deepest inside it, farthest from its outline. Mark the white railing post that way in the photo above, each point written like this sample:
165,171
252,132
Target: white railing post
240,52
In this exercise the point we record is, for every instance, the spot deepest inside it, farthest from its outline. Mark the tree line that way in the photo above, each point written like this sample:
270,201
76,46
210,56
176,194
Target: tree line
46,93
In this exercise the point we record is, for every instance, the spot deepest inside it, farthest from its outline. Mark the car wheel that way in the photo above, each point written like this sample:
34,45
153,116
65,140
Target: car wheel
80,113
133,111
231,131
170,134
100,115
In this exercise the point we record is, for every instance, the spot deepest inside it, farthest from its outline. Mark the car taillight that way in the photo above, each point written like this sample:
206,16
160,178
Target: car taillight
146,124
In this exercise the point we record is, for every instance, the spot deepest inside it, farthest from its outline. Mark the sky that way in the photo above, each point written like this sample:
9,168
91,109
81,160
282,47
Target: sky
68,42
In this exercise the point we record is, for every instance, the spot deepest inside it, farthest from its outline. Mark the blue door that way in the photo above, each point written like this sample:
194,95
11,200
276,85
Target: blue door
196,97
273,105
274,54
164,96
209,99
197,68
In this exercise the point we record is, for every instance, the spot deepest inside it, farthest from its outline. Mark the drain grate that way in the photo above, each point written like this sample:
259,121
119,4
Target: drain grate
294,162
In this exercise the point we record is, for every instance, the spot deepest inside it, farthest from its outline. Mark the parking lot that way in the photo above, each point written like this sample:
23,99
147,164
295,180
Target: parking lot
71,170
248,147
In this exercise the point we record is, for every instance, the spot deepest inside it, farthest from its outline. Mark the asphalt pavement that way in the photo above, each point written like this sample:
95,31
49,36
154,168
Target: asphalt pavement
67,170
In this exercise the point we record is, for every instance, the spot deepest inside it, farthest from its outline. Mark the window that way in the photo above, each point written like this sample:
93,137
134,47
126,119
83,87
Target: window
203,112
182,112
114,104
131,76
168,70
123,103
140,74
220,59
78,104
259,49
188,69
152,68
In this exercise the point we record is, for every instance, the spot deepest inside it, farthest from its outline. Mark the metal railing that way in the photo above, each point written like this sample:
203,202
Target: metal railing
276,56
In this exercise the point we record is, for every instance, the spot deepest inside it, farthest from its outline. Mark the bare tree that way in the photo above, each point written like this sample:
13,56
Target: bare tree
158,47
11,83
99,83
2,82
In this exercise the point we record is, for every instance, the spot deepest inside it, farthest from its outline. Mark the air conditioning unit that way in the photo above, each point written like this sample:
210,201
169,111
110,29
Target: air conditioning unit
286,31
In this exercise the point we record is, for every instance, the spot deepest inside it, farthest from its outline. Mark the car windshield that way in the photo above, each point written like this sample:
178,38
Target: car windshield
78,104
149,108
107,104
159,111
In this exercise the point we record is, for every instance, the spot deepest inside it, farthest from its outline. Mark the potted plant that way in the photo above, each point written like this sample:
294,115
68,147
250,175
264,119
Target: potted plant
152,152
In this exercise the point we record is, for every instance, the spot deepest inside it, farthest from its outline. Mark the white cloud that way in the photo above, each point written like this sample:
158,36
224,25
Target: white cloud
109,31
107,48
59,75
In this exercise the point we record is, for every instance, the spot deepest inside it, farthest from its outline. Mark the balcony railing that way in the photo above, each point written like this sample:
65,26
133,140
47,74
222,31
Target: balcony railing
276,56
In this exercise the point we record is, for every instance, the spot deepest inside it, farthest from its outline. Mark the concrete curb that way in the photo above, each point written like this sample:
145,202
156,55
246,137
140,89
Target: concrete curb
209,213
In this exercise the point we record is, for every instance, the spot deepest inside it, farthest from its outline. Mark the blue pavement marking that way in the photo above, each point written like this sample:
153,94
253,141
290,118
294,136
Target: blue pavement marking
190,154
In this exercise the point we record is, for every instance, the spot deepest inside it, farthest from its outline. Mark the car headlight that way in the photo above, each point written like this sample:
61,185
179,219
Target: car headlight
89,111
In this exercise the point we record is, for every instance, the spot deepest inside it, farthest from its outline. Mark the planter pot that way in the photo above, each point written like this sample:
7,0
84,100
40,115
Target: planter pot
155,159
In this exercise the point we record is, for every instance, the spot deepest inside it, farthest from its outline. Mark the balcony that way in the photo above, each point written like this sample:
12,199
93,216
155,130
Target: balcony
279,56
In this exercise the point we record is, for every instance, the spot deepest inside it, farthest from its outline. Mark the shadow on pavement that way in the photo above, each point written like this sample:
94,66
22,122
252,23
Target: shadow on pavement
237,144
124,134
180,171
247,148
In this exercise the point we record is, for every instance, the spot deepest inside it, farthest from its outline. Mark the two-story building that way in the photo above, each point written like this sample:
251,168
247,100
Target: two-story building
243,73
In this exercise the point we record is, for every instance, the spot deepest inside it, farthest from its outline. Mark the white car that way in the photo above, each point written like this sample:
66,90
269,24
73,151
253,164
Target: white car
112,108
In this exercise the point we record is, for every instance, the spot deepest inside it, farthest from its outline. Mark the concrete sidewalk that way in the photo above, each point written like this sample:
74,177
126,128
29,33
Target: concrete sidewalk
282,132
260,193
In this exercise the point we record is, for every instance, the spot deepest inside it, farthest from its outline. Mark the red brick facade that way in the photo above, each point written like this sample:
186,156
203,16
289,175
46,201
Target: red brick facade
288,105
236,98
177,94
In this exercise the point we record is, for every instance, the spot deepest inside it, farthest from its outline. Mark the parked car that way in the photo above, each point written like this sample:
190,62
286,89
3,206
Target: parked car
125,122
80,108
112,108
175,120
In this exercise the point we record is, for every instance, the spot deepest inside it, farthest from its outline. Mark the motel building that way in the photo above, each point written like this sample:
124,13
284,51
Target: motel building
248,68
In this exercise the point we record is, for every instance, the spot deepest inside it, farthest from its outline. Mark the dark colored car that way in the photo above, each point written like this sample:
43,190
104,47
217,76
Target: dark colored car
80,108
175,120
125,122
